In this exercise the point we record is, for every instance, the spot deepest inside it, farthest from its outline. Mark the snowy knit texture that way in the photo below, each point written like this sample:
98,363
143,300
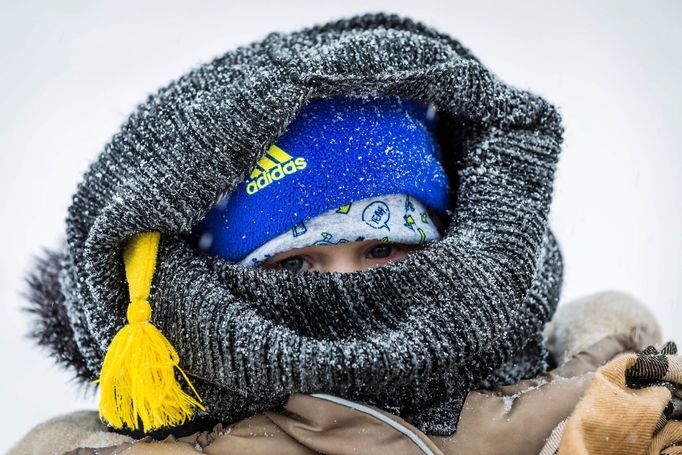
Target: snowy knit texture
413,336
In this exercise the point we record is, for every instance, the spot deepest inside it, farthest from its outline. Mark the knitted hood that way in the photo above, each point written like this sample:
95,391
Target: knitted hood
413,336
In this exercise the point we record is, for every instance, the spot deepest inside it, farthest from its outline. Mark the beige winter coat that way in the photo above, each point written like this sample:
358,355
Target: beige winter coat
524,418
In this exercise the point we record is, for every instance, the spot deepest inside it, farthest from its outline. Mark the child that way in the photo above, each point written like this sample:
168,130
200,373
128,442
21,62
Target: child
428,341
353,199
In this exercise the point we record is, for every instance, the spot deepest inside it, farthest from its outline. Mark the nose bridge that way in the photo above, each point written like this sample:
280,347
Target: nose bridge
342,260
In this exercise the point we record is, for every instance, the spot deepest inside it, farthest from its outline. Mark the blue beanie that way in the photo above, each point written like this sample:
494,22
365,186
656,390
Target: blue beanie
337,150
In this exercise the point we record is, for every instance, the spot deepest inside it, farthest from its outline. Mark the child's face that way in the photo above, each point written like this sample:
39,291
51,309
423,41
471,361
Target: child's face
343,257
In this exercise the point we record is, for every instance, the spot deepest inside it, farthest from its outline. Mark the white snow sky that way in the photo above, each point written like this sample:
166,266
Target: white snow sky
72,70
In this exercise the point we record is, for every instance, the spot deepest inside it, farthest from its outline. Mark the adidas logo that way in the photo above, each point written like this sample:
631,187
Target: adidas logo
274,165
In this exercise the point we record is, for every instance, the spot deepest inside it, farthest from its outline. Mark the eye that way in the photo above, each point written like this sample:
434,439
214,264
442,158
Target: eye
292,264
381,251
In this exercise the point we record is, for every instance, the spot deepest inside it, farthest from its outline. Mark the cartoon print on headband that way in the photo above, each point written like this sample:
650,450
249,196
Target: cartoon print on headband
406,219
299,229
410,223
344,209
377,214
327,240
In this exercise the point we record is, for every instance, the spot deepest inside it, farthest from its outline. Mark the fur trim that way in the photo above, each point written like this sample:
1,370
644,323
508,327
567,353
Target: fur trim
67,432
582,322
51,328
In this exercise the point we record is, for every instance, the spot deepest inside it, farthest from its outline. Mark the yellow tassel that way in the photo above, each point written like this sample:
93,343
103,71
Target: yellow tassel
137,379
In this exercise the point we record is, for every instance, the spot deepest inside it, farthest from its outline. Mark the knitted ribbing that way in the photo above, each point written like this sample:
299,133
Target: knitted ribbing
412,336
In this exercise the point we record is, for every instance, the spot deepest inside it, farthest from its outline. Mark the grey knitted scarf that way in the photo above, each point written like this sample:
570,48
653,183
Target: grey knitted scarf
413,336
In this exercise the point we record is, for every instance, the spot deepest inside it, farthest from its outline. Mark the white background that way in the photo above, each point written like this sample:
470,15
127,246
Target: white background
71,71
